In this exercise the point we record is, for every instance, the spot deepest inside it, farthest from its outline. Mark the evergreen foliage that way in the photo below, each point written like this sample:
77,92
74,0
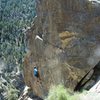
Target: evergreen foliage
15,15
12,93
60,93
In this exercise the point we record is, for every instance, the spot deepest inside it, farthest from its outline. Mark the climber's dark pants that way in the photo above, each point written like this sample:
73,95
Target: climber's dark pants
37,75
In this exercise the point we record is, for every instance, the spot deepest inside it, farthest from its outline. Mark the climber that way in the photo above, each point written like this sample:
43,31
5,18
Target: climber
36,73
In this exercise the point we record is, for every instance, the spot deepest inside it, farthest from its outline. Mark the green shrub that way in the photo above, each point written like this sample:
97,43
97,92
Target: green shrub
12,93
60,93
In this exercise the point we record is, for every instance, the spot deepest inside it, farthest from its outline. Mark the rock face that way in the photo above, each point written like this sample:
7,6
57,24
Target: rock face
70,32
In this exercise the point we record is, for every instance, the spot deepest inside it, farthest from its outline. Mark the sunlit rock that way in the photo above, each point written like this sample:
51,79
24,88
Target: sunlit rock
71,34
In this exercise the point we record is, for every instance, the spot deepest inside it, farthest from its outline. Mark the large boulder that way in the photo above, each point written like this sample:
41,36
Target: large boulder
69,32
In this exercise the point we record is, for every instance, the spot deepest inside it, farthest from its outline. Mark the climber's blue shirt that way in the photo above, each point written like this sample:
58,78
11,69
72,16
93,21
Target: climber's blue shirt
35,72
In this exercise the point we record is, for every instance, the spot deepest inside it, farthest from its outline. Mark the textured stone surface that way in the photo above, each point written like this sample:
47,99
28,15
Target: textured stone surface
71,32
